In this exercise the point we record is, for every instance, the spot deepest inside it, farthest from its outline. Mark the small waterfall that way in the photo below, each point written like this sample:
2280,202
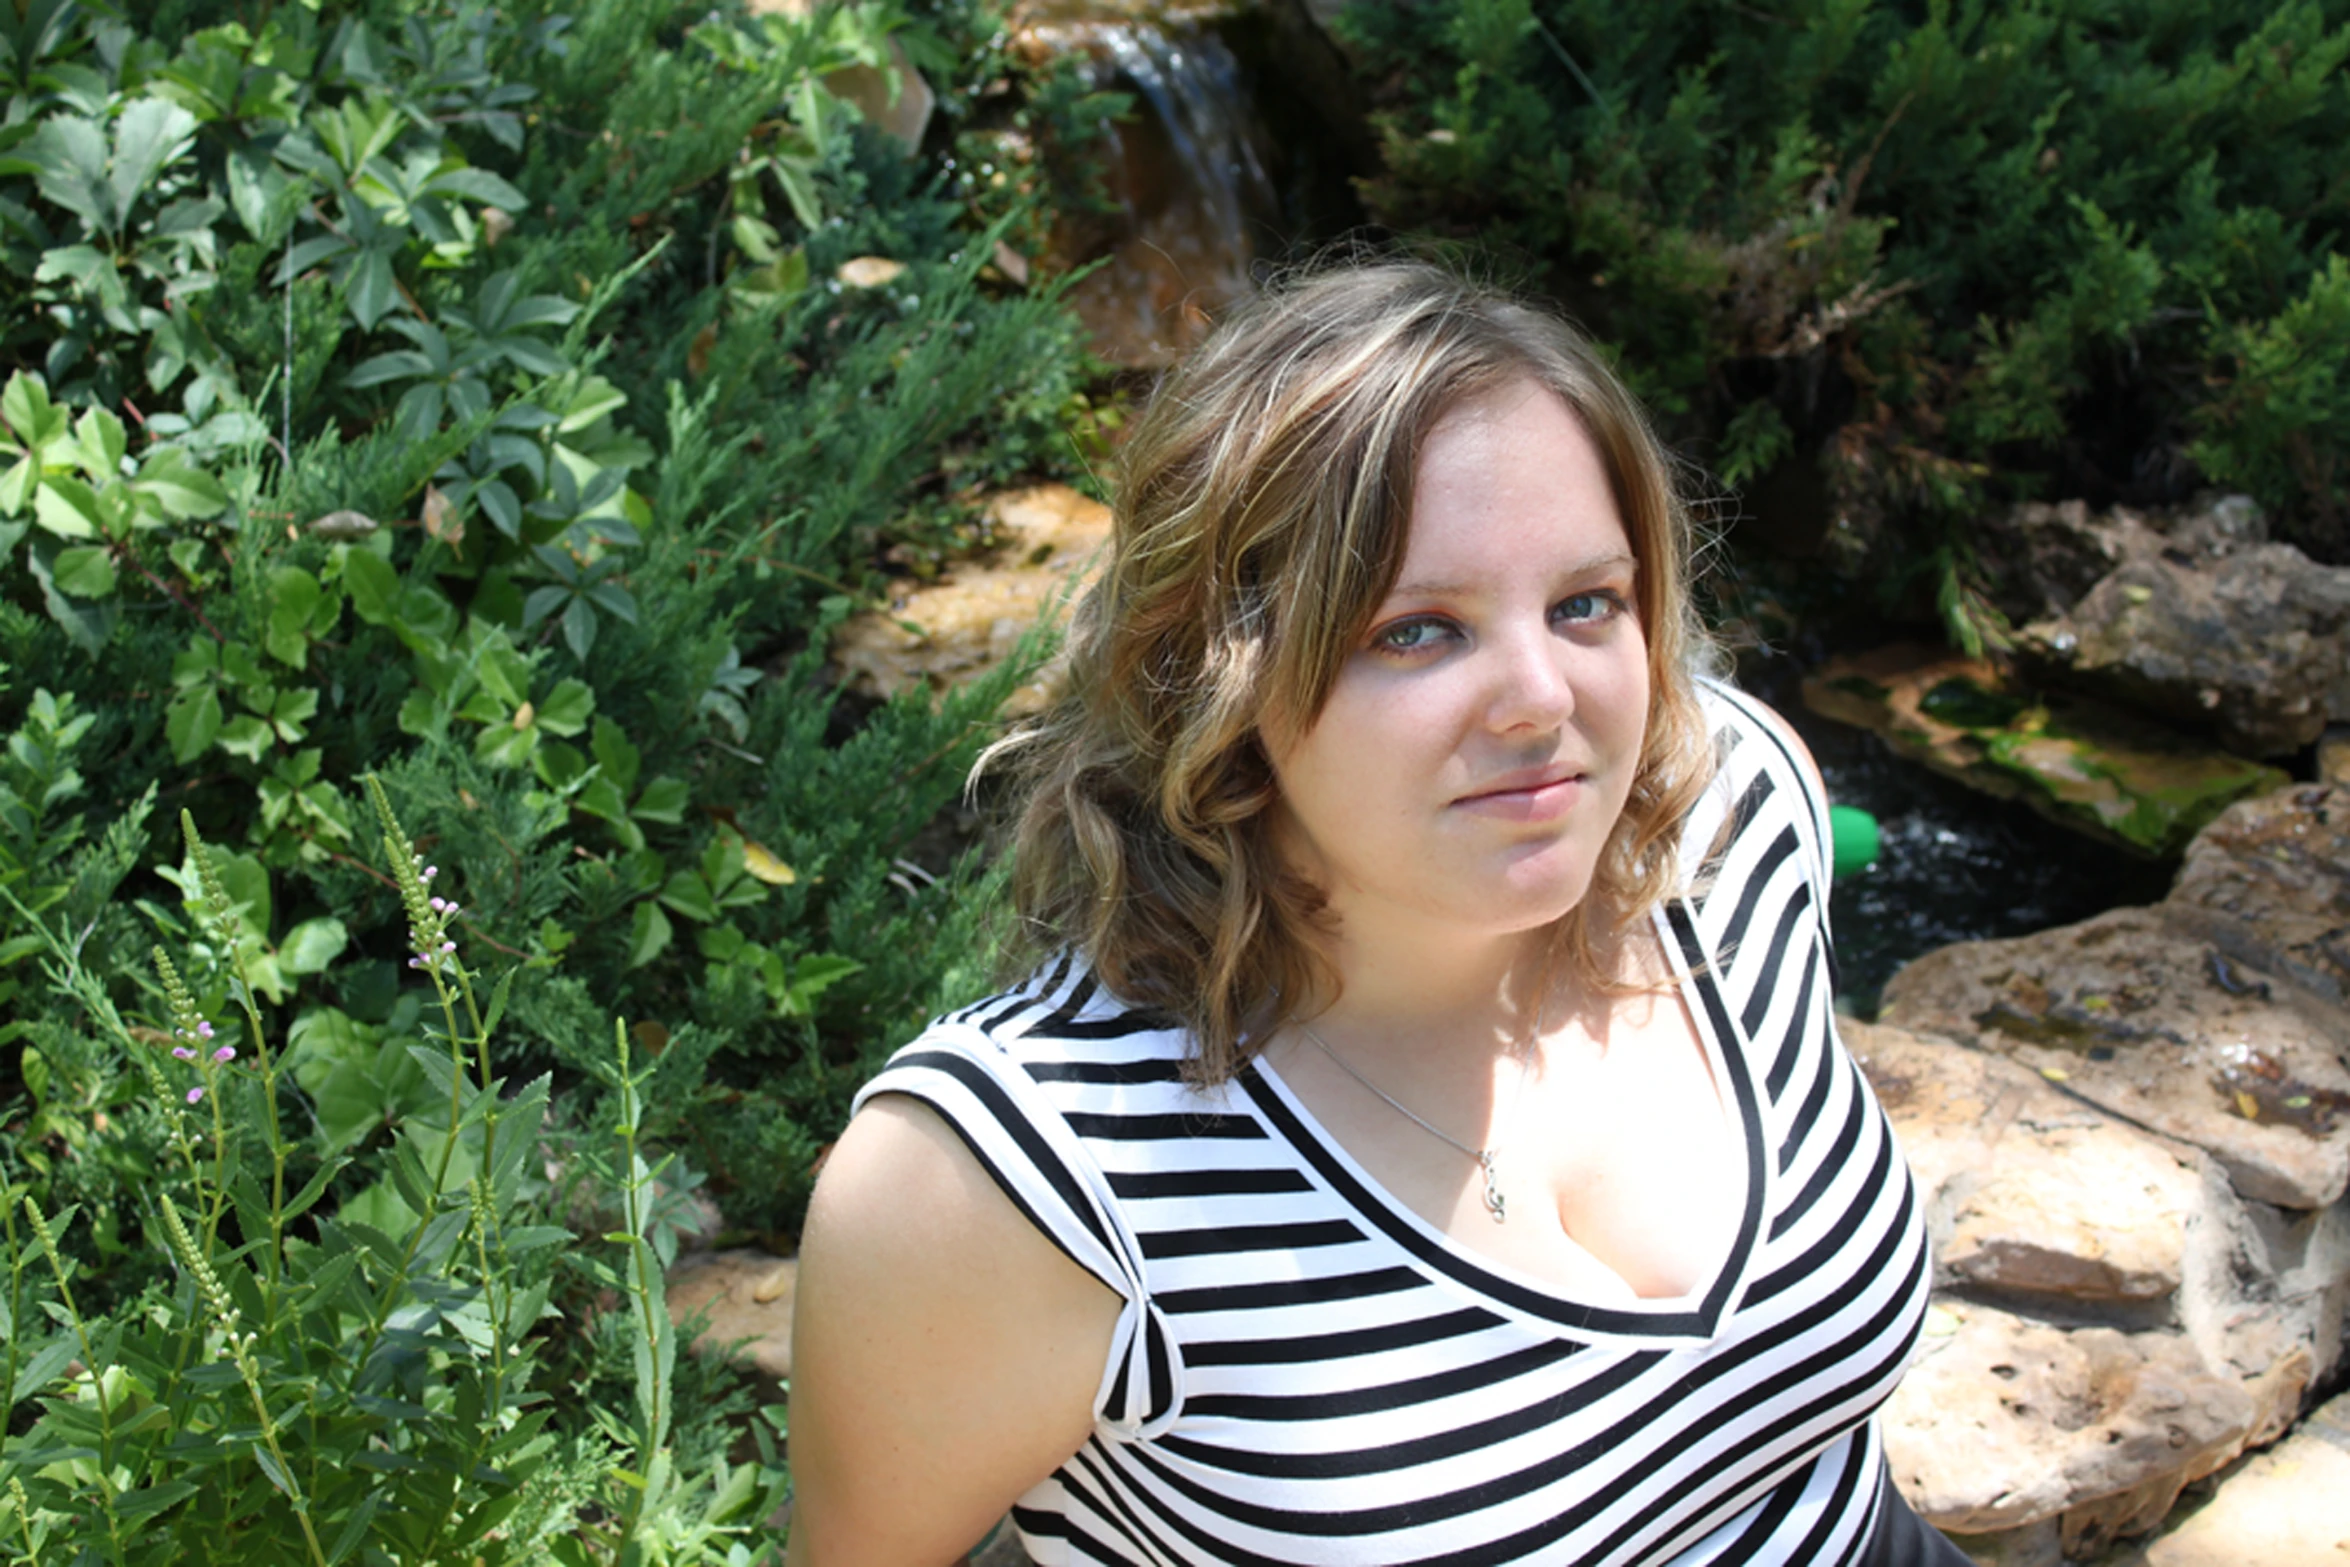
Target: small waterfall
1189,171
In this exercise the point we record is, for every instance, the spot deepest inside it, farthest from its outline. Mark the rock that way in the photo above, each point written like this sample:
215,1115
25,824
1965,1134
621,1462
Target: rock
2268,883
2087,766
2289,1507
2032,1194
2191,616
2004,1423
2333,755
2160,1029
951,632
749,1296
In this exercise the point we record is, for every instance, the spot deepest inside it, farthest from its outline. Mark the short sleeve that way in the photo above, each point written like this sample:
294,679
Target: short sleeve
1042,1166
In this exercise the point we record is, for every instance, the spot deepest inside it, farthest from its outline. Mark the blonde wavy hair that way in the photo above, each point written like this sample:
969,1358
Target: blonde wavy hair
1261,518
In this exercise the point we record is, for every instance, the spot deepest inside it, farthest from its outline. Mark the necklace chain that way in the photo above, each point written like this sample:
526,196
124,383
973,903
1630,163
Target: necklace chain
1496,1203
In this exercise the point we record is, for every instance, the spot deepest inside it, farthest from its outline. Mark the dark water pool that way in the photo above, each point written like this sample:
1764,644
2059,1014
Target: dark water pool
1953,865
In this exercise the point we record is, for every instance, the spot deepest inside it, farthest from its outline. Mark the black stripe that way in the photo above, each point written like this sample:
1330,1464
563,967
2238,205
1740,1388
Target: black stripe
1143,1070
1450,1442
1289,1408
1773,857
1807,1114
1141,1185
1288,1292
1743,811
1798,1030
1162,1128
1339,1346
1758,1000
1828,1169
1303,1236
1817,1254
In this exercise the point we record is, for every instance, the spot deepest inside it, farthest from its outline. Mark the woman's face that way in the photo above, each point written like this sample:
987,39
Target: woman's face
1480,741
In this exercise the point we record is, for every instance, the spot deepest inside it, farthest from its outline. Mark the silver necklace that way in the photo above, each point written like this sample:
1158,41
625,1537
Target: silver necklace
1495,1202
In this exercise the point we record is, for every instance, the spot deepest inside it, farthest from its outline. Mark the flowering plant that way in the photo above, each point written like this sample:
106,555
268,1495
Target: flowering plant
305,1387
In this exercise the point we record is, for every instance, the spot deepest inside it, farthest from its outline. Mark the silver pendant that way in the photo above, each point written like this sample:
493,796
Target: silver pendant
1495,1203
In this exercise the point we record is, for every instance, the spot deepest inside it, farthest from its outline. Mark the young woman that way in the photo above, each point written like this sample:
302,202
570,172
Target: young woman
1426,1139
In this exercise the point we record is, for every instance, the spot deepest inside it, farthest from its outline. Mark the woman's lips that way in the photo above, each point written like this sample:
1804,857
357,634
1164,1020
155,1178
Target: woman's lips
1538,797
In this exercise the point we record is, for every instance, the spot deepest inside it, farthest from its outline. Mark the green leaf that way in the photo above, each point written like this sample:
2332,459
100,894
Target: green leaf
374,586
25,404
85,572
185,492
690,896
312,945
245,736
151,135
648,934
68,508
567,708
192,723
616,754
101,443
277,1476
293,599
664,801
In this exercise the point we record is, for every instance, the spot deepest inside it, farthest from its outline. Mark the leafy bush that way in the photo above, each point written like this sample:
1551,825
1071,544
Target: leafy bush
468,398
1950,253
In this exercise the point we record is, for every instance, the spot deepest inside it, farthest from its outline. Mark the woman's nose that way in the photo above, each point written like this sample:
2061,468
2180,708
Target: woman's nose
1529,670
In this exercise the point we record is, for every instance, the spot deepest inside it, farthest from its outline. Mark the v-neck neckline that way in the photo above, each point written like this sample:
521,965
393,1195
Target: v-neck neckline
1697,1315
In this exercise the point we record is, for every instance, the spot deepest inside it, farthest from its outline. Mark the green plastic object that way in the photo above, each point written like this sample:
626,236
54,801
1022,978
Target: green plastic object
1853,832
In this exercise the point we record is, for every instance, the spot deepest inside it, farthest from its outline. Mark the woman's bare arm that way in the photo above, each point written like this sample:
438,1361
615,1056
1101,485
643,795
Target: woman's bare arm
945,1354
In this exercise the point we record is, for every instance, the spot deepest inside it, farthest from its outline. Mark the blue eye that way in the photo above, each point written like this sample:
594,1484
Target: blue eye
1582,608
1409,636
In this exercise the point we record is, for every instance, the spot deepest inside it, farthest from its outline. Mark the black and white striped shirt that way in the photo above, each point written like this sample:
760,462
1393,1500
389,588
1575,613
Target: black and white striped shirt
1305,1372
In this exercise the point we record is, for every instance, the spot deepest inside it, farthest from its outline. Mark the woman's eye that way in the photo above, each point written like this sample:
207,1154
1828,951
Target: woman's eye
1584,607
1409,636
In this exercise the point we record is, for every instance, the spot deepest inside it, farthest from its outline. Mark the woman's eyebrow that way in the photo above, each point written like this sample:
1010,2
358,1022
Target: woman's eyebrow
1591,567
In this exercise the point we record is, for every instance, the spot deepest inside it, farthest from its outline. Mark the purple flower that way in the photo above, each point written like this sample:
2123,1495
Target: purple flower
183,1052
428,873
195,1094
440,905
448,947
203,1030
225,1053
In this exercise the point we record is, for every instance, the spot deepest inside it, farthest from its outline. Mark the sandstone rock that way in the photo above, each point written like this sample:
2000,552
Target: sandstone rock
2333,755
2155,1027
749,1295
2268,883
2289,1507
2191,616
951,632
2032,1194
2079,763
2004,1422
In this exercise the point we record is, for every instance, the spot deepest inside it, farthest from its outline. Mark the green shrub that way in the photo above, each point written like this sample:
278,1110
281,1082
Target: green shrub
1952,253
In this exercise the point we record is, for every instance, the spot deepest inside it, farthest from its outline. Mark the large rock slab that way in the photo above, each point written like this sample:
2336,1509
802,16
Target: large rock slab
2288,1507
2190,615
2084,765
2269,884
2161,1029
945,634
2037,1198
2004,1422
